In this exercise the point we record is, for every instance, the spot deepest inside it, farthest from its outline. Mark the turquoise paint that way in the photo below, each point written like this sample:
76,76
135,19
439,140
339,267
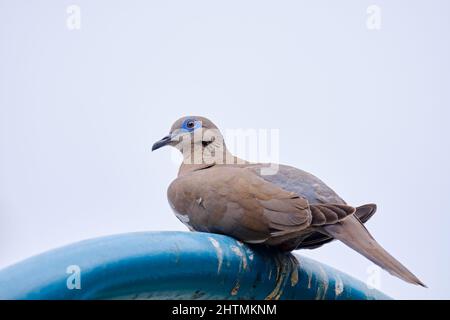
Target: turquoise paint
181,265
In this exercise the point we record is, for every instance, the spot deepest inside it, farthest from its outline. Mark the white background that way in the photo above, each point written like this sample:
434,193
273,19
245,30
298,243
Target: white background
366,111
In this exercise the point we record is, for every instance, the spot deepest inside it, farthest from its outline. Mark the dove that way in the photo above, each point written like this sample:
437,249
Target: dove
258,203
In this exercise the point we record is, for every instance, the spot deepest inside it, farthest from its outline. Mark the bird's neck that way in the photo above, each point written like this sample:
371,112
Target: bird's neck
203,157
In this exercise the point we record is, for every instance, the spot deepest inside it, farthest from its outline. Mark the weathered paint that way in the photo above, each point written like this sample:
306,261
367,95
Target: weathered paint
219,253
241,256
338,286
177,265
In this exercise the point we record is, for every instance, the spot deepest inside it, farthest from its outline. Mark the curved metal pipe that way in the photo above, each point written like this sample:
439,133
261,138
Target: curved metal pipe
179,265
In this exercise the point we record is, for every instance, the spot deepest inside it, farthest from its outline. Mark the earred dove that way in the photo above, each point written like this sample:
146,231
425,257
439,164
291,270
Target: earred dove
288,208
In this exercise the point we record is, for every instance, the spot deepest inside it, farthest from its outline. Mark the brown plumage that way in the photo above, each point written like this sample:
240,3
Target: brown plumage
288,208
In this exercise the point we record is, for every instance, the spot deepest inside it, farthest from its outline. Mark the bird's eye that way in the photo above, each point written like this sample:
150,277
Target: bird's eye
190,124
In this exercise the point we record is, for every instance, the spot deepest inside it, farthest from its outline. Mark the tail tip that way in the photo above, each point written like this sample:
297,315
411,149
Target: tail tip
420,283
417,282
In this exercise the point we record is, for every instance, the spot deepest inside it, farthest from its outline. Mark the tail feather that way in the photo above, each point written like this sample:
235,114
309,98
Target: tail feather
353,233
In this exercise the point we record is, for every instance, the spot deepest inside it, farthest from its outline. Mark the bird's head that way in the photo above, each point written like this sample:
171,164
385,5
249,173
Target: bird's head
197,138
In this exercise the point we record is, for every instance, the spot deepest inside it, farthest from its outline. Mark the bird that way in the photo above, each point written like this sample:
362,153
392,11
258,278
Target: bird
287,209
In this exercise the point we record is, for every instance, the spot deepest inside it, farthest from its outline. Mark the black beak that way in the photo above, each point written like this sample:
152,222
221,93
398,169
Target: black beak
161,143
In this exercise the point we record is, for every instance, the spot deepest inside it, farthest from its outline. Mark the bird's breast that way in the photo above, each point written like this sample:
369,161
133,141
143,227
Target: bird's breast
188,204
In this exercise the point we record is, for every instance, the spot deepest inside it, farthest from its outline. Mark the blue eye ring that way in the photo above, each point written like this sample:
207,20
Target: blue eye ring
190,125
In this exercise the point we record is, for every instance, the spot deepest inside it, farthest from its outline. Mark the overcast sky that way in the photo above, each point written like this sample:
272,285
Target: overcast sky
361,101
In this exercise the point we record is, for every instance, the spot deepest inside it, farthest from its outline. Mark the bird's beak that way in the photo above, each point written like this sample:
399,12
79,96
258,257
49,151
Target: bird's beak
163,142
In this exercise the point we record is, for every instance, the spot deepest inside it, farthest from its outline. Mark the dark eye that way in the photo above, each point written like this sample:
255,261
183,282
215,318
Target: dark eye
190,124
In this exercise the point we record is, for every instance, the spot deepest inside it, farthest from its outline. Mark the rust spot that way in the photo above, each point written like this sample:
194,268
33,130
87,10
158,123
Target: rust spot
235,290
294,277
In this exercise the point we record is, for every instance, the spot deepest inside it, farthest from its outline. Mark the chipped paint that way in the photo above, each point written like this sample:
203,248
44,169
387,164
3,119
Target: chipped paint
219,253
249,252
322,286
241,255
338,286
309,273
154,256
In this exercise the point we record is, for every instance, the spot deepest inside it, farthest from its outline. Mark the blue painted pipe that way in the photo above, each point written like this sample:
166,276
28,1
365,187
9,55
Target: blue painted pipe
177,265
